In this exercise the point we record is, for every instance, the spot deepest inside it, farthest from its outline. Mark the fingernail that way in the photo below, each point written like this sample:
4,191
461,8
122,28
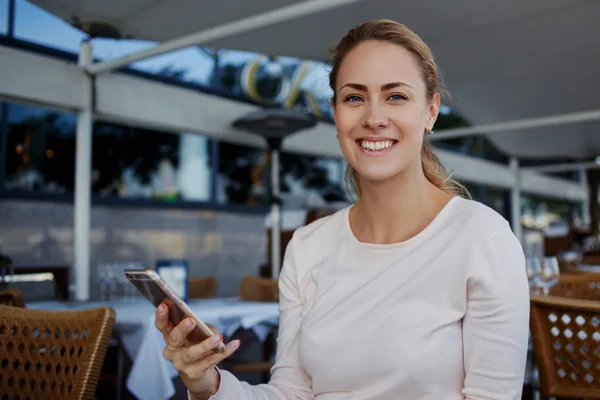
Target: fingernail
189,322
162,308
216,339
235,344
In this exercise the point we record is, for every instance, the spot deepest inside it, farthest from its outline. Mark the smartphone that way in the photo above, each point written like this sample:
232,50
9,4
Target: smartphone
156,290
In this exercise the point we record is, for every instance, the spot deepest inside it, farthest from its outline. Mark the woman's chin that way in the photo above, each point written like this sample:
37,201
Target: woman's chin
378,176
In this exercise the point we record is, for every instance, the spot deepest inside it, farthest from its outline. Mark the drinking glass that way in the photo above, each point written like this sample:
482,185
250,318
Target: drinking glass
549,274
534,270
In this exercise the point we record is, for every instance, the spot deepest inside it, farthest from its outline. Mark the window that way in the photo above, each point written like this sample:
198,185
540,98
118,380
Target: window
568,175
139,163
475,145
544,213
491,196
36,25
245,177
40,150
497,198
127,162
311,181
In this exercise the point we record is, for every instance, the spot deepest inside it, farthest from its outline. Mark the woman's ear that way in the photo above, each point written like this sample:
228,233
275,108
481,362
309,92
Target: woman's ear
433,110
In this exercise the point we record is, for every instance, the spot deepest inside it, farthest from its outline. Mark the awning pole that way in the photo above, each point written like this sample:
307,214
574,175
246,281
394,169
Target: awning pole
515,200
585,202
83,166
294,11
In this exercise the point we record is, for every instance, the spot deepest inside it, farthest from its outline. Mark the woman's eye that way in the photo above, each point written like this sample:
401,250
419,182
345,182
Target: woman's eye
352,99
397,97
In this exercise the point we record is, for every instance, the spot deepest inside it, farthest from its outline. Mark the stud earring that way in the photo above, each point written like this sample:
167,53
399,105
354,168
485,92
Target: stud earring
429,131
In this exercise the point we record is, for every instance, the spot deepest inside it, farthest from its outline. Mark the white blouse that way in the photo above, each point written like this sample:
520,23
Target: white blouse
443,315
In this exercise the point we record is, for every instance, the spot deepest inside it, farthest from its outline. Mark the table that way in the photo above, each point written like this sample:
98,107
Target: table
589,268
151,376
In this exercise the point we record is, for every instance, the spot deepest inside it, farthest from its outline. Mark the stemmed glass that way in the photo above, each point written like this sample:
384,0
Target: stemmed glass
533,271
102,276
549,274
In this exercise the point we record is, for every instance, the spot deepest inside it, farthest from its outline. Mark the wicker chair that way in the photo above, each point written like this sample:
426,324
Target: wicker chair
12,297
585,286
566,341
259,289
202,288
52,354
255,289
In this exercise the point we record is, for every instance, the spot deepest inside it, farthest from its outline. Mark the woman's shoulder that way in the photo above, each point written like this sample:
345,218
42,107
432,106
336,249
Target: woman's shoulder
479,220
311,245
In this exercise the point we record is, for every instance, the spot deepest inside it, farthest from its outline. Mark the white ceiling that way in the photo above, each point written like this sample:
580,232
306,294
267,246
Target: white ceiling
502,60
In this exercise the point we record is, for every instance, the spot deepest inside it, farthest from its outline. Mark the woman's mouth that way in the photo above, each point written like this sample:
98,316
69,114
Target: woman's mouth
376,147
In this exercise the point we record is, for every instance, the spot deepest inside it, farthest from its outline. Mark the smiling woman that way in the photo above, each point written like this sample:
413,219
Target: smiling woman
413,292
421,87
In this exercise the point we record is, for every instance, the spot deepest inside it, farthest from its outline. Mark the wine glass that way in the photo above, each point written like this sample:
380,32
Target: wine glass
549,274
102,277
533,271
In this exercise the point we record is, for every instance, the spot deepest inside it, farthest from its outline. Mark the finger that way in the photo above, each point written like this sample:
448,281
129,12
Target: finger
213,329
215,357
195,370
178,334
162,322
202,349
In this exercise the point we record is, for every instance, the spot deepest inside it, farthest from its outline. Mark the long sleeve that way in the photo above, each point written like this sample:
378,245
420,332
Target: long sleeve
288,381
495,326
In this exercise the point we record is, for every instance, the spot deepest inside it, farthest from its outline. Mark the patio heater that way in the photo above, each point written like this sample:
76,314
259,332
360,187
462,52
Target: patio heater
274,125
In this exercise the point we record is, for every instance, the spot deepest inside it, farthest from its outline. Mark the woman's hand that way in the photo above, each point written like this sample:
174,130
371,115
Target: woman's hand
195,362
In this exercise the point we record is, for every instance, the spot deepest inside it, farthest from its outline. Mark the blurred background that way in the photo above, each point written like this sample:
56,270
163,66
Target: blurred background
118,146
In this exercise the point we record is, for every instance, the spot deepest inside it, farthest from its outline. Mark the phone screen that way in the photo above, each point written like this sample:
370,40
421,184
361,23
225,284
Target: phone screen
157,296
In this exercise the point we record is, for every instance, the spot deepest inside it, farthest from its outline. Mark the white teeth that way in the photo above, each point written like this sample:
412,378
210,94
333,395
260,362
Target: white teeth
378,145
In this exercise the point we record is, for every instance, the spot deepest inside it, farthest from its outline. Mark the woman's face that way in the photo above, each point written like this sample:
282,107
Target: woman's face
381,110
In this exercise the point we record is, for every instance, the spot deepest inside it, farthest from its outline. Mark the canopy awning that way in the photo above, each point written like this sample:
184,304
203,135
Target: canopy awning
502,60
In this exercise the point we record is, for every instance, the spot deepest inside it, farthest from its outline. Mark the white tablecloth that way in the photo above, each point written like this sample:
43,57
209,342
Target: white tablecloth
151,376
589,268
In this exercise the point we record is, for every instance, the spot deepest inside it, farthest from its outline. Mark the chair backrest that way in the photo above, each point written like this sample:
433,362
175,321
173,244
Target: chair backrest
202,288
53,354
585,286
12,297
259,289
591,259
565,335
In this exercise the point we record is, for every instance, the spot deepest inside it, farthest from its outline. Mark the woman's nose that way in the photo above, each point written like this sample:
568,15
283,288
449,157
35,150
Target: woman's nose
375,118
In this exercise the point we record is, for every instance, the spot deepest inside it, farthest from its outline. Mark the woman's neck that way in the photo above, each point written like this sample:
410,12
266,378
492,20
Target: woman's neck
396,210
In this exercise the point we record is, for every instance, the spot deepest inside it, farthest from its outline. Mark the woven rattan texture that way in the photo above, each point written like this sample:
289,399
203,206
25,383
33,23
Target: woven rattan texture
259,289
12,297
52,354
566,339
578,286
202,288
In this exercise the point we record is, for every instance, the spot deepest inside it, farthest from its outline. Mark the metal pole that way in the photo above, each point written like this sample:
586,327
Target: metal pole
515,199
529,123
275,216
214,166
278,16
563,167
585,203
83,166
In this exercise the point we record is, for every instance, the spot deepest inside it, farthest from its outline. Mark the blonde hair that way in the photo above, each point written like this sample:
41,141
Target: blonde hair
384,30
